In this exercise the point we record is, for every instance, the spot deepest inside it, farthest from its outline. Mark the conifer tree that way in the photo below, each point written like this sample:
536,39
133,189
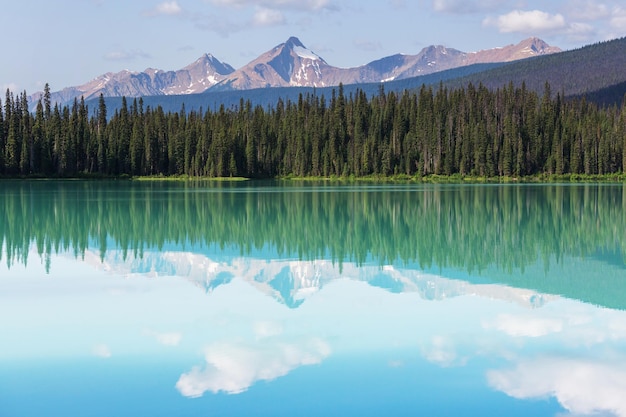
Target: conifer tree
2,138
12,146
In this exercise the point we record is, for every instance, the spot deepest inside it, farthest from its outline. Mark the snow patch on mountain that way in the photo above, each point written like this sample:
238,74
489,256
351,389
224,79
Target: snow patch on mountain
305,53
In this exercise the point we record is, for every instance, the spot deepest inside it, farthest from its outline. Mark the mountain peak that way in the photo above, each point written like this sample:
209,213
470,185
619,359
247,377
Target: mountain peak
208,63
293,41
534,46
539,45
292,64
294,46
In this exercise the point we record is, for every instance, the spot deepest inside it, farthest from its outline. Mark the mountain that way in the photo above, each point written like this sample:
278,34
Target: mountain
205,72
289,64
196,77
292,64
439,58
595,71
212,99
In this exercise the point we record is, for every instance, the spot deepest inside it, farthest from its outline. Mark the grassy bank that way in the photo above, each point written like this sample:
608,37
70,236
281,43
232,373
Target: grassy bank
189,178
468,179
434,179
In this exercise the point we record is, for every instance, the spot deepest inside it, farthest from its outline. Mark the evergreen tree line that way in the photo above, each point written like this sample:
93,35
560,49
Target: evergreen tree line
511,131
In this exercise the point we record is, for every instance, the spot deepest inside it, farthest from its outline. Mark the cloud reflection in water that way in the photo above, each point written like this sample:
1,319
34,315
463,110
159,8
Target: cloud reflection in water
232,368
583,386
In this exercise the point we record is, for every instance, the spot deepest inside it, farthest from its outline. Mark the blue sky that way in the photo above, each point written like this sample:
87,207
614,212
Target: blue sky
69,42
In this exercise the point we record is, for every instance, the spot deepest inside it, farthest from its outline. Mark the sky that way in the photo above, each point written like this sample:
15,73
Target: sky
70,42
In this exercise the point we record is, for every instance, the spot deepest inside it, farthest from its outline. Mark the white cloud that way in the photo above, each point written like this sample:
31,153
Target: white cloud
264,13
263,329
580,32
441,351
101,350
167,339
169,8
123,55
268,17
587,10
581,386
618,19
525,325
10,86
301,5
233,368
464,6
528,22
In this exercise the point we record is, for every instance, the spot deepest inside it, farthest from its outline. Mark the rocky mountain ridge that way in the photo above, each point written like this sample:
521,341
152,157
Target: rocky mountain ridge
289,64
196,77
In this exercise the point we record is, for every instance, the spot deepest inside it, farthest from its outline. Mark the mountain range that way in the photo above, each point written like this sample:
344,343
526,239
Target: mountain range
289,64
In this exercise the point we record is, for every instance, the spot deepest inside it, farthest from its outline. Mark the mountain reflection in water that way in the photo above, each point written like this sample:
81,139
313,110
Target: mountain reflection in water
570,237
445,299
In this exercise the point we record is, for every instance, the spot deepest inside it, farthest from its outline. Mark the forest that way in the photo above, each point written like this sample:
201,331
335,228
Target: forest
471,131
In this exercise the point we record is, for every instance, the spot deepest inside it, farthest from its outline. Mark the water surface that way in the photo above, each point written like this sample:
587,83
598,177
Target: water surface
229,299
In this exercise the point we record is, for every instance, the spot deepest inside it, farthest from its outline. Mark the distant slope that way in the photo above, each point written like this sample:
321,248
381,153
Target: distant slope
212,100
289,64
595,71
607,96
194,78
578,72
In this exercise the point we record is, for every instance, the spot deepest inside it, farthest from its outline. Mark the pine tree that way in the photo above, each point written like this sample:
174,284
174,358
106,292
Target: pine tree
12,146
39,150
47,102
2,138
27,156
101,135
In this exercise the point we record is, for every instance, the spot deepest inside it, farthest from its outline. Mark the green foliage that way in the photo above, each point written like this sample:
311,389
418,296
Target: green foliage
471,131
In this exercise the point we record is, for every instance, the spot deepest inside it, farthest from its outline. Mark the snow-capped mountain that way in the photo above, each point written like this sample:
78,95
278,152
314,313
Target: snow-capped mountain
196,77
439,58
292,64
204,73
285,65
289,64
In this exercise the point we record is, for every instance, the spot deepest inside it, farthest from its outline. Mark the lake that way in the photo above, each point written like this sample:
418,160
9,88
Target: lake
127,298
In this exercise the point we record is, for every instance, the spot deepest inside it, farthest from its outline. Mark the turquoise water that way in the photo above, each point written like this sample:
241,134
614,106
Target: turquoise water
269,298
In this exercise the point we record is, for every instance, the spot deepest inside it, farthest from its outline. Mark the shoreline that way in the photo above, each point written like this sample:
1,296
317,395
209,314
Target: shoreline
430,179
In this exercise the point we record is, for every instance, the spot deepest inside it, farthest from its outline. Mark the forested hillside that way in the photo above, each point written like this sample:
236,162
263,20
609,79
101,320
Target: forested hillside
509,131
573,73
